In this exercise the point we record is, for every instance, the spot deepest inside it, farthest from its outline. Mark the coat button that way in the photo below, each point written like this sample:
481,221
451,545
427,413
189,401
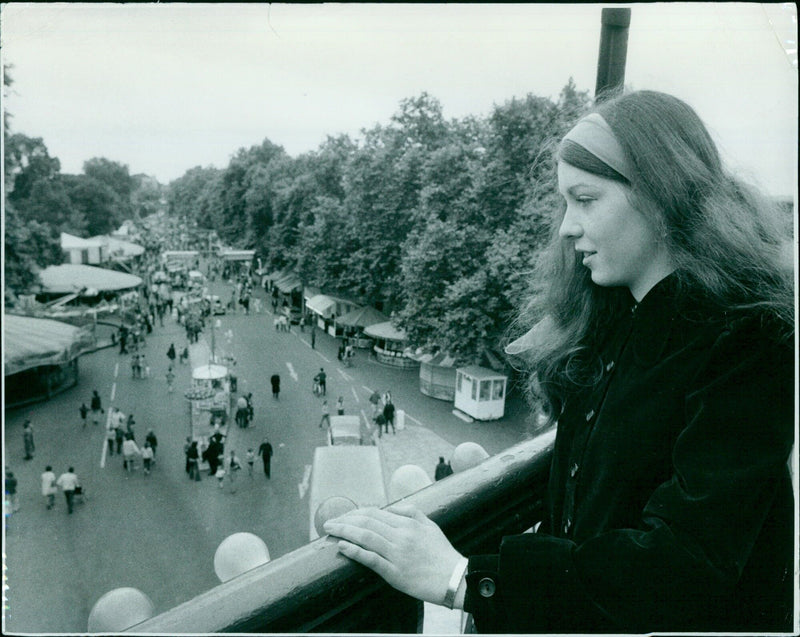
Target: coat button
486,587
610,366
573,470
589,415
567,525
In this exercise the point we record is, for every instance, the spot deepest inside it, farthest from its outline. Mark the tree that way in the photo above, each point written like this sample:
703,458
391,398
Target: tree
434,259
27,161
96,201
29,246
111,173
146,196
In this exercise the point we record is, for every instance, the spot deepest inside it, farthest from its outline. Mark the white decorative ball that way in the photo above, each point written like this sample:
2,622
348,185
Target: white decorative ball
239,553
119,609
467,455
406,480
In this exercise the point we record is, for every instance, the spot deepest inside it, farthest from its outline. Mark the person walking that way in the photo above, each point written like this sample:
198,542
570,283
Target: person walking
97,407
233,467
129,425
388,413
119,433
11,491
129,452
83,410
192,461
111,434
251,461
68,482
313,334
171,354
340,406
321,379
134,365
241,412
375,401
250,409
275,381
27,440
49,488
212,454
147,458
326,414
265,451
152,440
170,375
186,446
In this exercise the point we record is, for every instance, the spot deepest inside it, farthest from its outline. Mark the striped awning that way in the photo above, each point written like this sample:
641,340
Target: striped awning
289,282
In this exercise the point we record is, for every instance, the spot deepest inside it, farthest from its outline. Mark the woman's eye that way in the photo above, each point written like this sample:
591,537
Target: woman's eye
584,200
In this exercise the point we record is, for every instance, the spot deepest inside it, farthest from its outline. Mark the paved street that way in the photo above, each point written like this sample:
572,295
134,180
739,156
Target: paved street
158,533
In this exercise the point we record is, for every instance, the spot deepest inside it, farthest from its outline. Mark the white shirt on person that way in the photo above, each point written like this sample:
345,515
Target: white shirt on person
67,481
48,483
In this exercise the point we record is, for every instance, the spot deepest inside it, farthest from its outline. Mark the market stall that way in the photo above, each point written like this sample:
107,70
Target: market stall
437,375
390,344
353,323
209,400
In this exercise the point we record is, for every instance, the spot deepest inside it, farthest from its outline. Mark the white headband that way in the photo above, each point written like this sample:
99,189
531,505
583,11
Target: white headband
595,135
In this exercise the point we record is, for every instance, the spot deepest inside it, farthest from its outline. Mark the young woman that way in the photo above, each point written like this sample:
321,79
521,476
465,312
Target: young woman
662,345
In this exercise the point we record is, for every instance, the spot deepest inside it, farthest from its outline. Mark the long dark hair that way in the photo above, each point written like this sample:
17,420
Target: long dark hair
727,242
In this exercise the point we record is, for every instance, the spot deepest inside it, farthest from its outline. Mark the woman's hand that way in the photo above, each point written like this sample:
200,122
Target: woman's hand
401,545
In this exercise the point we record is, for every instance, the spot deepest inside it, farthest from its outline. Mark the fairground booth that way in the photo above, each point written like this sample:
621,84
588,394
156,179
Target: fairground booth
325,310
437,375
60,280
480,392
40,357
353,323
390,344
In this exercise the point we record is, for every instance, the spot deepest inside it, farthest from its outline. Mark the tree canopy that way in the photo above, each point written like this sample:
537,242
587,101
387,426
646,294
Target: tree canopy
435,221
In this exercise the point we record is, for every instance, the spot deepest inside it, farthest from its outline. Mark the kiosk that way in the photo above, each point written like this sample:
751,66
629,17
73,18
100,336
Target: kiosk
480,392
209,401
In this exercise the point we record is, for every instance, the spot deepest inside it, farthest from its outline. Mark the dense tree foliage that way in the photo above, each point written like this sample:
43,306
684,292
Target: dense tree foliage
437,222
41,202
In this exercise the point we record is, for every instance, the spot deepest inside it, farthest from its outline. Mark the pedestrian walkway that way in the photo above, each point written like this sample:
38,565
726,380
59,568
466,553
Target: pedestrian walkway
413,445
199,353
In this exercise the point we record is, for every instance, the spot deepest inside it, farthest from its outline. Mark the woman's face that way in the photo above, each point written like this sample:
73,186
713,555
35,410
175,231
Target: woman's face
618,243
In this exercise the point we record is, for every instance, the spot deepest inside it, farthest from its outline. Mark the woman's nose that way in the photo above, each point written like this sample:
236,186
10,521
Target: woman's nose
569,228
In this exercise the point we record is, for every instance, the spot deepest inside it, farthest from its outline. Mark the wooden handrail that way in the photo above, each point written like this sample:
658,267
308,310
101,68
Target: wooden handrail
315,589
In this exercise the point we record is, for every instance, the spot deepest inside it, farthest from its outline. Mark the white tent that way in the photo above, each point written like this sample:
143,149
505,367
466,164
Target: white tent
67,278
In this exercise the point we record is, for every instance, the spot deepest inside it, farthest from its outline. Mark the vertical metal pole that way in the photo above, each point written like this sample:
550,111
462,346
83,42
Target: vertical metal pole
613,52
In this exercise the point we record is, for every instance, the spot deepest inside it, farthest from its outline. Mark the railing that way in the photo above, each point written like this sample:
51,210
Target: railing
315,589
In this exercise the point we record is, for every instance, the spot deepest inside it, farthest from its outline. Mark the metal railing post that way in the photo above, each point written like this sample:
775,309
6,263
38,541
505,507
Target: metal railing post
613,52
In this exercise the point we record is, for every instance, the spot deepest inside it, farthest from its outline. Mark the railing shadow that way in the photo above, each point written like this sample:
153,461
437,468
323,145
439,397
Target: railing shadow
315,589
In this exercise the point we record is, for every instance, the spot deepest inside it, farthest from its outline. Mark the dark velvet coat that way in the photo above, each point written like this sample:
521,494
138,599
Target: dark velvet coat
670,505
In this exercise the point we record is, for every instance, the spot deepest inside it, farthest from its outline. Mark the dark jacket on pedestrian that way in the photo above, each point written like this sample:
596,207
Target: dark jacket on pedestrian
443,469
669,505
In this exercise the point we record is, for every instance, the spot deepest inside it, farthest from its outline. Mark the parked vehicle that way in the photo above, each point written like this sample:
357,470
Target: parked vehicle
346,430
